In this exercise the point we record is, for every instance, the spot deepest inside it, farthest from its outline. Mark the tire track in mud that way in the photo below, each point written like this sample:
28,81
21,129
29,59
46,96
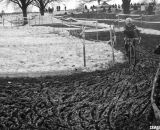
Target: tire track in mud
113,99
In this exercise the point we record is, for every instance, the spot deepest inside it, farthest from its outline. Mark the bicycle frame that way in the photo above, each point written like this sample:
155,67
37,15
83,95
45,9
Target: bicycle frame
132,50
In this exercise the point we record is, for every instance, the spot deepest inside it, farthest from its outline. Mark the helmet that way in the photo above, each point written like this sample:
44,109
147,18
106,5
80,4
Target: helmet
128,21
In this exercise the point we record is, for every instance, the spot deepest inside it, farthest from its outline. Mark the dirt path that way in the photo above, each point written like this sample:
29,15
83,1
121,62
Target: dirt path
102,100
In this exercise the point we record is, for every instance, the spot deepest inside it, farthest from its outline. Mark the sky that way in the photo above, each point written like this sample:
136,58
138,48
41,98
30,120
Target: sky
70,4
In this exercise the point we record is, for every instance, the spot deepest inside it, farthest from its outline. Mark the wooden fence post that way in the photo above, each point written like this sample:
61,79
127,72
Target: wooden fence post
62,25
70,26
84,53
11,23
39,19
29,20
35,19
141,20
42,19
18,22
84,48
3,21
112,43
97,28
118,21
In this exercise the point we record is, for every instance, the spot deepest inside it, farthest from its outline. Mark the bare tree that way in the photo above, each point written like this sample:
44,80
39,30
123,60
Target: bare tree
126,6
154,2
99,2
23,4
41,4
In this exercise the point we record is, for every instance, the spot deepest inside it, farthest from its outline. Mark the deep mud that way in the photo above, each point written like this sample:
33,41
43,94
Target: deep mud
113,99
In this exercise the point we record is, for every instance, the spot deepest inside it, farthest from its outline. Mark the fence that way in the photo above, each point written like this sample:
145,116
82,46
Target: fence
36,20
18,20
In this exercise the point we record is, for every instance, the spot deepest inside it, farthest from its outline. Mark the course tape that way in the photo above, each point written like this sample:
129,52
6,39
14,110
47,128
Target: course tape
122,20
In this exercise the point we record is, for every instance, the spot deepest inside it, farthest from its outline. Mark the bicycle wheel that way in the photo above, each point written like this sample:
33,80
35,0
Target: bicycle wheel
127,49
132,55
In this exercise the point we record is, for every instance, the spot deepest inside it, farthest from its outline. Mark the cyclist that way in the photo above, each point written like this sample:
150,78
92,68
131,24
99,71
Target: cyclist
130,31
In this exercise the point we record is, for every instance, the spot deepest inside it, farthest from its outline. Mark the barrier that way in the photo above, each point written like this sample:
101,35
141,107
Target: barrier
111,29
133,16
139,20
112,42
17,20
84,41
84,50
12,22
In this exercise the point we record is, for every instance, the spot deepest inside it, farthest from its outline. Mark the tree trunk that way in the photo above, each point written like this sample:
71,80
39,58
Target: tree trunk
42,11
99,2
24,10
42,7
126,6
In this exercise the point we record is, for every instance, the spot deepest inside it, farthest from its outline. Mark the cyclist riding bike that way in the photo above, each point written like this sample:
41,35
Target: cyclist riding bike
130,33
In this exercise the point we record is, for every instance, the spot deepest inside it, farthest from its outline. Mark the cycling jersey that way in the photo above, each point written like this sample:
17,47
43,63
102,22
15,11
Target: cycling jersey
131,31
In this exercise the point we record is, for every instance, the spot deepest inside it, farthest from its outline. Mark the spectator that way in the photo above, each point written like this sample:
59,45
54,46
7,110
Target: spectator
119,6
131,5
104,9
85,7
57,8
109,9
49,9
115,6
135,6
91,8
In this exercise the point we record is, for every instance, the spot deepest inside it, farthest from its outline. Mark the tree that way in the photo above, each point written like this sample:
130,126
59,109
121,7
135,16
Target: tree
154,2
99,2
126,6
41,4
23,4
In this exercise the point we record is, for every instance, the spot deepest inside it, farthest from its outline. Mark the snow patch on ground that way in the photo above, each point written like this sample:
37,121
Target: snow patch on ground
35,49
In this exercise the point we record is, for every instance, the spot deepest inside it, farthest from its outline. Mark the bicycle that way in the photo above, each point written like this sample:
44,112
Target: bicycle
130,44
